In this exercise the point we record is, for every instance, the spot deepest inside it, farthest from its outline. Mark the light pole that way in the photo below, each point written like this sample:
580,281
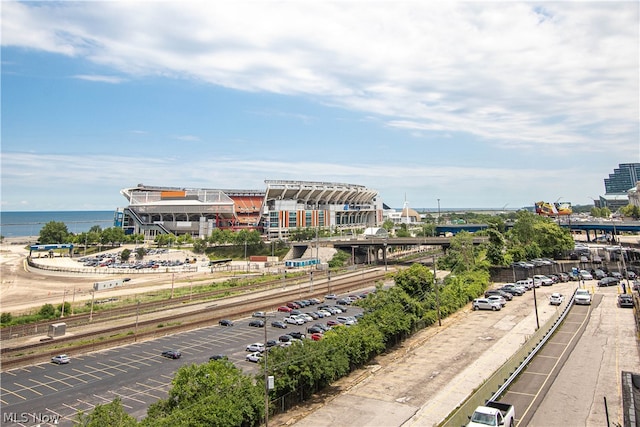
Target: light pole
435,284
93,295
385,256
267,378
64,294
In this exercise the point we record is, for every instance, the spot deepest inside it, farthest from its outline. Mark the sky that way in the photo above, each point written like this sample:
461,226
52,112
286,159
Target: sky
468,104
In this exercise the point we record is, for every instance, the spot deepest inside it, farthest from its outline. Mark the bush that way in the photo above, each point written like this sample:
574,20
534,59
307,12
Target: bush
6,318
47,311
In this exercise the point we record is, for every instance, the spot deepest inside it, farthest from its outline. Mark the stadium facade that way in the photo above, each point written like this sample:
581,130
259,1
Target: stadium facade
282,206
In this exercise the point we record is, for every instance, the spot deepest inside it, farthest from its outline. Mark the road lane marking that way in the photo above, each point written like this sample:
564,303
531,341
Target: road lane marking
28,388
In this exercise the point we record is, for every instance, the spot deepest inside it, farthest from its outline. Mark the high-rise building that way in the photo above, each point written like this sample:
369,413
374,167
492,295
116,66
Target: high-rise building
617,186
622,179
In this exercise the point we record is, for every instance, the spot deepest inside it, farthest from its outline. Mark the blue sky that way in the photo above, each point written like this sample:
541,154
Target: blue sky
477,104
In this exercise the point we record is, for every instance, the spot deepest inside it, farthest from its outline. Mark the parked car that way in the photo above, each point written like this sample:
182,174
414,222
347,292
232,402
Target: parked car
218,357
608,281
564,277
527,283
544,280
259,314
512,290
314,330
292,305
625,301
254,357
225,322
598,274
331,296
296,334
585,275
279,324
556,298
346,320
615,274
256,323
256,346
486,304
293,320
284,309
285,338
61,359
316,336
503,294
630,274
172,354
582,296
343,301
498,298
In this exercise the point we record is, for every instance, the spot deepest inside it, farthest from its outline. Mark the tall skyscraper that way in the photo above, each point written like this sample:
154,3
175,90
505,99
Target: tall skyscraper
622,179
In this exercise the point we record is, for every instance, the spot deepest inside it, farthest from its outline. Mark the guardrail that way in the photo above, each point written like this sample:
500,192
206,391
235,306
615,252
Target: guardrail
509,370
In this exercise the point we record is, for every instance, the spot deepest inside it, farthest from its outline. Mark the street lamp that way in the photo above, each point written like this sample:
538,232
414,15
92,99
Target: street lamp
385,256
268,380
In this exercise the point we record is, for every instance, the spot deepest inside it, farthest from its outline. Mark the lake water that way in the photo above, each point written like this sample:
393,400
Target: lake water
22,224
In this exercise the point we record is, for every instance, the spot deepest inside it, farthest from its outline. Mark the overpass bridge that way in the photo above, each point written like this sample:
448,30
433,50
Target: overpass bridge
376,250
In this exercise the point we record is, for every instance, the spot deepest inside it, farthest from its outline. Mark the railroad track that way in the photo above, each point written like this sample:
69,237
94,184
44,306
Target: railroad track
203,314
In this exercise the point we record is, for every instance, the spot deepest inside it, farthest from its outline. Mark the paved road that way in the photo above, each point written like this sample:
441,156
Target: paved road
441,366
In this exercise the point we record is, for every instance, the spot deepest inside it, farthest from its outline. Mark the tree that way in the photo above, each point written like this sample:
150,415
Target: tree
107,415
415,280
495,248
461,255
125,255
113,235
388,225
632,211
211,394
54,232
47,311
199,246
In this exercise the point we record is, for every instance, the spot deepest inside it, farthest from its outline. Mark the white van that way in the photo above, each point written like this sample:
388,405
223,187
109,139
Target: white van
527,283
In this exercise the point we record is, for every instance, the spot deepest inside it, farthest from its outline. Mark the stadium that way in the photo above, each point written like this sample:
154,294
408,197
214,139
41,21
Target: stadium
282,206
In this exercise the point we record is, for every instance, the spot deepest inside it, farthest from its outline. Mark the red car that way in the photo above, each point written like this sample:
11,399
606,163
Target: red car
284,308
293,305
316,337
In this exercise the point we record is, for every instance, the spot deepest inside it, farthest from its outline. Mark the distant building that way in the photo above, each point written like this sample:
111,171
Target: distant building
618,184
634,195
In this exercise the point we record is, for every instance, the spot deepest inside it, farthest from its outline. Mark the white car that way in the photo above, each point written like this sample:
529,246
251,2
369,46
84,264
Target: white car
294,320
556,298
486,304
498,298
585,275
254,357
255,347
61,359
582,296
544,280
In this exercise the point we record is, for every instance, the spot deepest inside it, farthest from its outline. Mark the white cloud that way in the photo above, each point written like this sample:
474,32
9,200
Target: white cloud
97,78
509,73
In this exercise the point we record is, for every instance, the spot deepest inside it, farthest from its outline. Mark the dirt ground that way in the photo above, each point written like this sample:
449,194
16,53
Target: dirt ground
22,291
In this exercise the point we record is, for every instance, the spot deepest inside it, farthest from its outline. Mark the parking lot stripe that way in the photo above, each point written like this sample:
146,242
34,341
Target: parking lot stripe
31,389
112,366
142,392
60,380
5,391
100,370
43,384
130,397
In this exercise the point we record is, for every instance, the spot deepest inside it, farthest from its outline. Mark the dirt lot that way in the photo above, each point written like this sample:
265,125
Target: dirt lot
22,290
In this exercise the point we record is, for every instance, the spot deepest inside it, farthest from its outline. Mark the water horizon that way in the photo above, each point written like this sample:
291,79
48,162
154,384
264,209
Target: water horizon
29,223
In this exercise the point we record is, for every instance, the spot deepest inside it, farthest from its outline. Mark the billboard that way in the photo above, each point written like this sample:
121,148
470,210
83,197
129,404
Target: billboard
553,209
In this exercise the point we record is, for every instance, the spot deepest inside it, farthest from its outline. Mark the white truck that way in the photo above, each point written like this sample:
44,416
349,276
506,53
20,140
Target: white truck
493,414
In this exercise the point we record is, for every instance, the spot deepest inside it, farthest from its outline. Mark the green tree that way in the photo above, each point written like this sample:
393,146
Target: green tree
461,255
47,311
113,236
415,280
631,211
125,255
140,253
6,318
211,394
54,232
496,245
107,415
199,246
388,225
